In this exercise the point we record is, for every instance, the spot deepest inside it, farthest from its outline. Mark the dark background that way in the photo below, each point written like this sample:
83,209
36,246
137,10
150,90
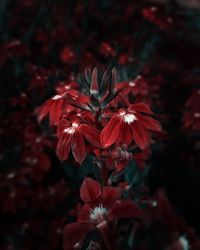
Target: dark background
45,42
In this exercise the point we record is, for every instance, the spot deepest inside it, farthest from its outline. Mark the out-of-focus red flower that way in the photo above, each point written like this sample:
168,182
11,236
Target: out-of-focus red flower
191,120
154,15
107,50
102,206
194,100
67,55
73,135
130,125
135,87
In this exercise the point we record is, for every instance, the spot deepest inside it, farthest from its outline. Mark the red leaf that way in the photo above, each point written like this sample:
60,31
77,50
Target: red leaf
90,190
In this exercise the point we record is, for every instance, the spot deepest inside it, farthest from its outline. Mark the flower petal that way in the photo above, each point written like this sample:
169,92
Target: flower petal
91,134
44,110
125,135
149,122
78,147
111,131
90,190
63,124
140,135
63,146
141,107
110,195
55,111
125,209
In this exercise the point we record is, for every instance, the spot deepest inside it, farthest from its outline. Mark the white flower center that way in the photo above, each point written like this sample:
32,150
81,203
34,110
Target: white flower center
98,214
71,129
128,118
56,97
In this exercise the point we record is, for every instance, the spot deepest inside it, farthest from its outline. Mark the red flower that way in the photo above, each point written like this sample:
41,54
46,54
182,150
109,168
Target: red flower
68,55
138,86
191,121
107,50
73,135
103,206
53,107
129,125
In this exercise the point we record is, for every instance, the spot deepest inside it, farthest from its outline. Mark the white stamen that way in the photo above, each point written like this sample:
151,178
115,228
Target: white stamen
75,124
71,129
56,97
184,243
98,213
132,84
128,118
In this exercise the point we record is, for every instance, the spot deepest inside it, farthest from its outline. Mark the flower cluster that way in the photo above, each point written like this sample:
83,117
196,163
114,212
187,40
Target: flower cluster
97,119
97,123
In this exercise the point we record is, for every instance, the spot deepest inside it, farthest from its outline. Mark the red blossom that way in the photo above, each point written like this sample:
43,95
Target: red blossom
53,107
72,135
130,125
102,207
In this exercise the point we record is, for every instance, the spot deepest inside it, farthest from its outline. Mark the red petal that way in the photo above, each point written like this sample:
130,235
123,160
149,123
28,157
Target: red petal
53,108
90,190
110,195
91,134
125,209
63,146
63,124
75,233
84,213
78,147
140,135
55,111
141,107
149,122
125,135
111,131
44,110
